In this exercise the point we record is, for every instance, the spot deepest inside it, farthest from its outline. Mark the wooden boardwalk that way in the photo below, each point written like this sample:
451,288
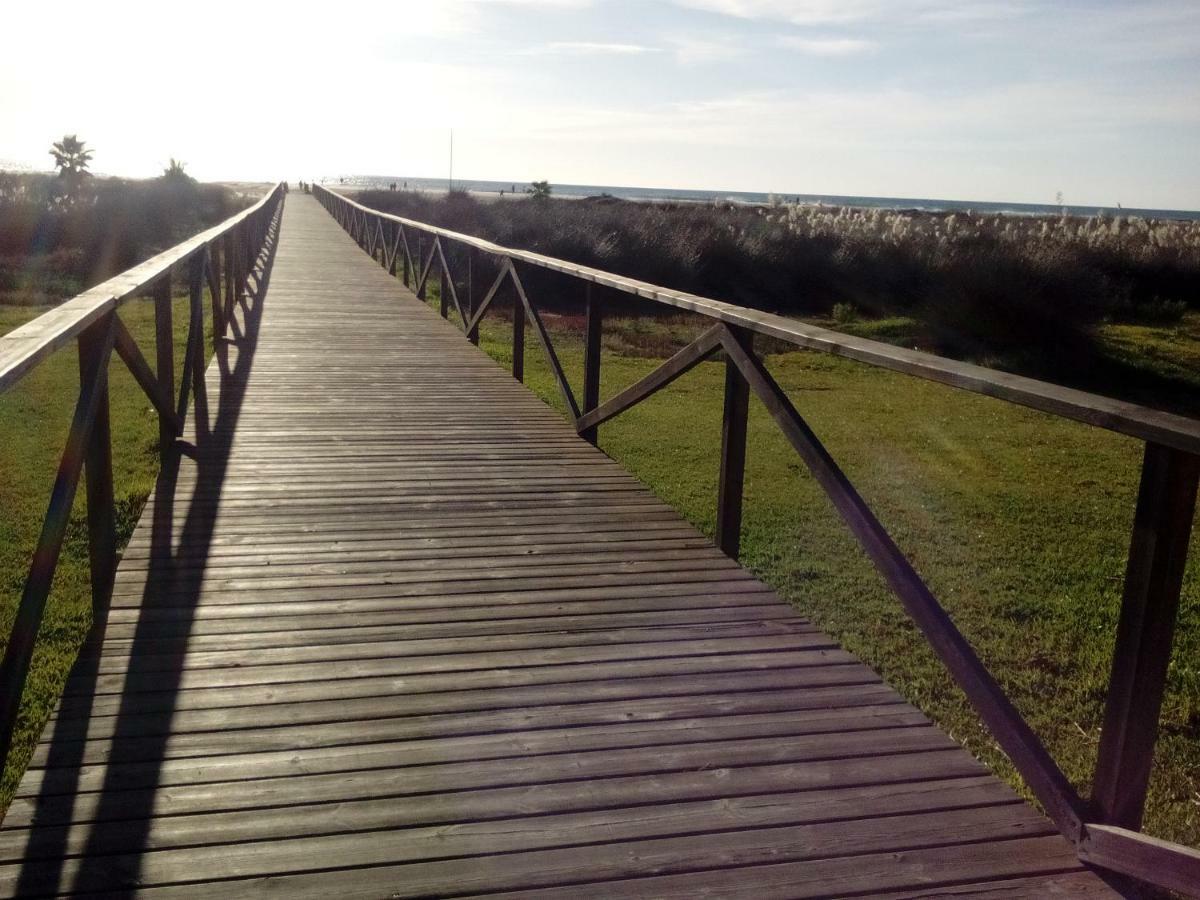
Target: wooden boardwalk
394,630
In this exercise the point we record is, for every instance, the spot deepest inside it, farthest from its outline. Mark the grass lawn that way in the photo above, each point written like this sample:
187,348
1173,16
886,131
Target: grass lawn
35,416
1019,522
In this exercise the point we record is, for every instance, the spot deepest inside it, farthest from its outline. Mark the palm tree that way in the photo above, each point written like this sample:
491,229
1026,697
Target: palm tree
72,156
176,171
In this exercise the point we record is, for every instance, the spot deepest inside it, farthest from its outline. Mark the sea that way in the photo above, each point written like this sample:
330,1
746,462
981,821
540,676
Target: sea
925,204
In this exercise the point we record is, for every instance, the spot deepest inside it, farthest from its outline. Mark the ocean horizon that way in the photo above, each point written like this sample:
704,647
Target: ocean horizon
923,204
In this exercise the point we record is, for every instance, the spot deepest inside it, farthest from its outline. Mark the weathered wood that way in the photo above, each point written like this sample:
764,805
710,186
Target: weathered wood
732,473
518,333
95,346
169,423
212,265
1013,734
1141,856
560,377
195,362
147,380
678,365
472,323
19,650
593,330
1162,530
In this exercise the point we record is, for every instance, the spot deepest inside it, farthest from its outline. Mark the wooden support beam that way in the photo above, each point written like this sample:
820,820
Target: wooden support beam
593,330
446,282
95,345
1012,733
560,376
473,324
1162,529
733,454
164,352
679,364
131,355
230,290
478,314
212,270
518,340
19,650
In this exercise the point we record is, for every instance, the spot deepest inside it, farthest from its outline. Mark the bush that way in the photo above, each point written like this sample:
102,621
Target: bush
110,226
1023,289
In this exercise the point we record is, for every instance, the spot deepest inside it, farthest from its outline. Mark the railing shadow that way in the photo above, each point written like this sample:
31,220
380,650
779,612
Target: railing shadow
142,730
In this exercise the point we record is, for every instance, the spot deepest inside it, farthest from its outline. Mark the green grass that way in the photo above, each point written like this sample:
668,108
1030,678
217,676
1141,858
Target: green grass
1018,521
35,416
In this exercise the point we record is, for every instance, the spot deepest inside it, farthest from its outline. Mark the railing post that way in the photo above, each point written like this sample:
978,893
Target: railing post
420,266
1158,551
164,348
242,267
230,290
214,287
472,260
443,300
196,363
518,338
591,358
393,245
97,467
733,456
404,262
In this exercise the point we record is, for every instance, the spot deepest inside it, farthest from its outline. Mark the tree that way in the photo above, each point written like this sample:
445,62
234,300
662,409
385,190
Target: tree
72,156
539,190
175,171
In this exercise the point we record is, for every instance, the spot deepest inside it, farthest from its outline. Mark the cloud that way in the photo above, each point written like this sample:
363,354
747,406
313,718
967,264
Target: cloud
698,51
591,48
827,46
843,12
798,12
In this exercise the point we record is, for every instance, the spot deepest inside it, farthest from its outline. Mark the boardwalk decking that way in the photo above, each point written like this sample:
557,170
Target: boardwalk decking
394,630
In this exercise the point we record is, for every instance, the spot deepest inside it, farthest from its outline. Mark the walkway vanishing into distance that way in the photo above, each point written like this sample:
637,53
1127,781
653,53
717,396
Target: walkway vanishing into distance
395,630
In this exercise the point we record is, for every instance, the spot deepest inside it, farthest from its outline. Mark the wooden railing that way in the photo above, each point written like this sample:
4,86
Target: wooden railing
222,259
1105,829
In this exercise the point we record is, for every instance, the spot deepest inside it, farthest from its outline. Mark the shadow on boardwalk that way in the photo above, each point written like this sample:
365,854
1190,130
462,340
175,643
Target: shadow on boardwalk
142,730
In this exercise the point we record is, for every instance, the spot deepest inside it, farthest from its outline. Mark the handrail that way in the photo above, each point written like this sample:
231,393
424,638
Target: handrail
1132,419
1104,827
231,252
27,345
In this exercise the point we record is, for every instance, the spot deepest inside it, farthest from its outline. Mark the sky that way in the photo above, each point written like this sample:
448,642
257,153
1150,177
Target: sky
957,99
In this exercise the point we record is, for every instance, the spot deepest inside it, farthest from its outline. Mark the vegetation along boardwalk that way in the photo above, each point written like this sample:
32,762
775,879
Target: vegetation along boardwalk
390,627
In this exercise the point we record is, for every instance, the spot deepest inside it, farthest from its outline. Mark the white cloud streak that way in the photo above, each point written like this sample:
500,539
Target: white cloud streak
590,48
827,46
